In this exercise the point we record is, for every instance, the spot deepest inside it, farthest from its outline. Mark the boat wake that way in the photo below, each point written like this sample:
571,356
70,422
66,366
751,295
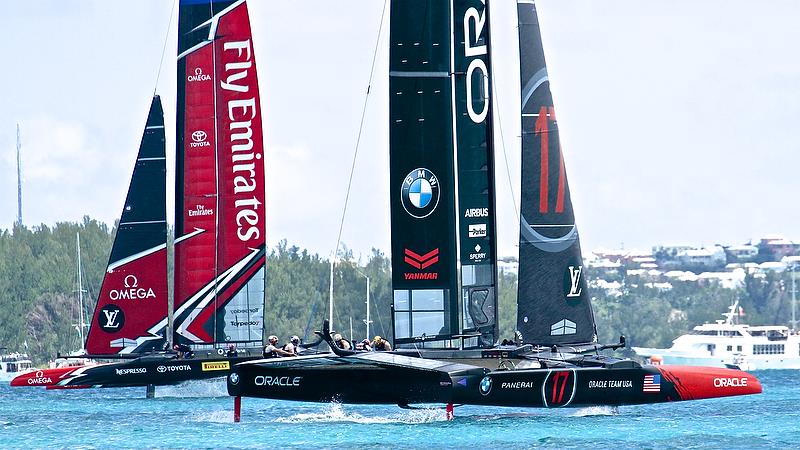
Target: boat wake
334,413
194,389
596,411
222,416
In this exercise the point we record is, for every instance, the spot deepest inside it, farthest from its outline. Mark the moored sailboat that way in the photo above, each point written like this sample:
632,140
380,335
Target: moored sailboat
220,224
443,258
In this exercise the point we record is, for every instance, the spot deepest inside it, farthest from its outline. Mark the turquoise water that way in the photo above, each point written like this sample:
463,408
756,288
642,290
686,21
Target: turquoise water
200,416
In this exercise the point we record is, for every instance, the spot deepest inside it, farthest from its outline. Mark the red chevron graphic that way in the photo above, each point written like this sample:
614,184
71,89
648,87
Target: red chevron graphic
421,261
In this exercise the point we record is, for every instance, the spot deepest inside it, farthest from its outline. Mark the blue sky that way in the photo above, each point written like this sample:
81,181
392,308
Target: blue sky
678,118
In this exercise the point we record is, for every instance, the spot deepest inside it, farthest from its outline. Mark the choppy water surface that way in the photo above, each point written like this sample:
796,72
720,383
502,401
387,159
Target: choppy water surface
200,416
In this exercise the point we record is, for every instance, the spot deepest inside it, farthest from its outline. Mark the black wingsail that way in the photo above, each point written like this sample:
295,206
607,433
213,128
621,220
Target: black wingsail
553,305
422,189
475,173
442,195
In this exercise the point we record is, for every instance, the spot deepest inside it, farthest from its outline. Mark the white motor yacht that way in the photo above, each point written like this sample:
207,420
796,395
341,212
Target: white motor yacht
13,364
729,344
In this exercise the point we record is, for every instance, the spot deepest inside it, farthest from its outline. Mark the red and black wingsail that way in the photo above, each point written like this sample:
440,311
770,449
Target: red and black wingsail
220,211
553,301
131,312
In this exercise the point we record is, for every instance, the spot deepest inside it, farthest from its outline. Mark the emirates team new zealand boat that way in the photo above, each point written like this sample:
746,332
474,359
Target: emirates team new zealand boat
444,255
219,245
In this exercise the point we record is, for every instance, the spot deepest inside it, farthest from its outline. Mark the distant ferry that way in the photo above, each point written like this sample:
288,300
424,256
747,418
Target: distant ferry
13,364
728,344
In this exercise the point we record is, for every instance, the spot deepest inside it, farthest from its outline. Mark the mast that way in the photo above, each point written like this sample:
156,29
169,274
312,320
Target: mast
330,294
79,281
367,321
19,179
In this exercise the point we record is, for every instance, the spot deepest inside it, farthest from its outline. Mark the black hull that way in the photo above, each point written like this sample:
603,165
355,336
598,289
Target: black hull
394,379
144,371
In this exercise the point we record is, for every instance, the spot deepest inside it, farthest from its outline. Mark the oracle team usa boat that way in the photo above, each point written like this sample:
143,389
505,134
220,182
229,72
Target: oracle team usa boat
219,243
444,272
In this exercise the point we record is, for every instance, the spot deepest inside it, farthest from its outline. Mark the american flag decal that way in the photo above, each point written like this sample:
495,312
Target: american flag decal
652,383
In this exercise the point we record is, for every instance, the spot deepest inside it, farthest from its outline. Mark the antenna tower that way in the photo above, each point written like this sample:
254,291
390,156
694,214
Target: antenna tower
19,178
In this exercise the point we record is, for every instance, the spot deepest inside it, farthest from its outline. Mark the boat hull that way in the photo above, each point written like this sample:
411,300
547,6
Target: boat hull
348,380
144,371
750,362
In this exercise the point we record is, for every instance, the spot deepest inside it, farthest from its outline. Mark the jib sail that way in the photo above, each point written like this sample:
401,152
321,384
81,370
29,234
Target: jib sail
553,305
131,311
220,212
442,198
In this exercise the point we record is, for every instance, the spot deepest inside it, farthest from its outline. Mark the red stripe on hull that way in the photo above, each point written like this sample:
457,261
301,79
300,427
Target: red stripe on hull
695,383
43,378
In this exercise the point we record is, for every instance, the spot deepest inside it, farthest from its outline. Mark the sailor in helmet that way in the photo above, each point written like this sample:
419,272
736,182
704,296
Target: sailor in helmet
380,344
364,346
273,351
341,342
293,346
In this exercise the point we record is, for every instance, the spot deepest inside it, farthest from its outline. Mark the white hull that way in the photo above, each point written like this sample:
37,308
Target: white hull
727,343
745,362
6,377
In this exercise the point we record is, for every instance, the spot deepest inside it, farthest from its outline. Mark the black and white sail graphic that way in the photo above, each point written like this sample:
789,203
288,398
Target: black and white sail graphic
553,300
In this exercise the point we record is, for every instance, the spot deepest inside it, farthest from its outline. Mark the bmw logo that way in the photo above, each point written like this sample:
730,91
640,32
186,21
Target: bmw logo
485,386
234,378
420,193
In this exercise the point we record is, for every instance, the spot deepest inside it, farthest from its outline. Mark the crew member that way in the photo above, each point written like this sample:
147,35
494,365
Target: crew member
380,344
183,351
364,346
341,342
232,352
273,351
293,346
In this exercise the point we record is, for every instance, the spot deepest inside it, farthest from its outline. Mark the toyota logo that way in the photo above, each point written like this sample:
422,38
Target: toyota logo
199,136
161,369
